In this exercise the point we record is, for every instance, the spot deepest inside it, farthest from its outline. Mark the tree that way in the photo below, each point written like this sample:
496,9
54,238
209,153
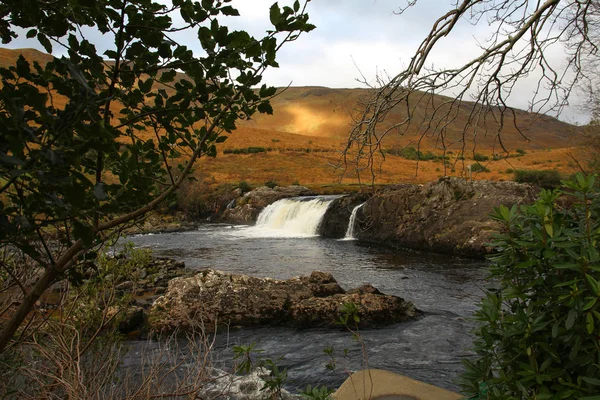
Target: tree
538,332
90,144
523,32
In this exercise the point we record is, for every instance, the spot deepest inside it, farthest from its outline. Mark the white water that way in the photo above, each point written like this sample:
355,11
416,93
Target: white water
294,217
350,231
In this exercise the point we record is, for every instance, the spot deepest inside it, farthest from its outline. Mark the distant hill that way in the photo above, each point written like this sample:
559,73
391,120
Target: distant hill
302,140
325,112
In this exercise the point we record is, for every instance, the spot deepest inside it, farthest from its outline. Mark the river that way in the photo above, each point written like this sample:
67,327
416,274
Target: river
447,289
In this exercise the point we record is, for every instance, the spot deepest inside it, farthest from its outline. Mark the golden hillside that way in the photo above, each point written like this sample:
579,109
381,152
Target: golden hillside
301,141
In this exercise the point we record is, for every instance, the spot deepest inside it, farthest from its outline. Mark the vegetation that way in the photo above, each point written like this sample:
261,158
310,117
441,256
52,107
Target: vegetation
547,179
90,145
248,150
538,333
482,85
410,153
479,168
271,184
480,157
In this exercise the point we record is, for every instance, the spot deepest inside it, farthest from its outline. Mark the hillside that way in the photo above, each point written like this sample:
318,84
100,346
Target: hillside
301,141
324,112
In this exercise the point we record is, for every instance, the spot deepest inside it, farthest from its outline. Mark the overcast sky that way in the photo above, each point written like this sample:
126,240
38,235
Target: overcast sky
355,37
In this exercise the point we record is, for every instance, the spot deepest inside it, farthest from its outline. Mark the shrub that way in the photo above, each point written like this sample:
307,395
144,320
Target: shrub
521,152
271,184
479,168
244,187
480,157
546,179
538,333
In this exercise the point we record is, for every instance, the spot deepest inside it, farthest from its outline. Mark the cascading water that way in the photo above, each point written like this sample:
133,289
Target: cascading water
352,222
297,215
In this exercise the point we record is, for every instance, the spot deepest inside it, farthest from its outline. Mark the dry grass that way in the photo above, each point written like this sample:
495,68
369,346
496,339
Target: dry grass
310,126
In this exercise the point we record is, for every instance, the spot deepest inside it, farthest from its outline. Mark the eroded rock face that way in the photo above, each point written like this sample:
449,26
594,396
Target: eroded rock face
336,218
447,216
214,297
245,209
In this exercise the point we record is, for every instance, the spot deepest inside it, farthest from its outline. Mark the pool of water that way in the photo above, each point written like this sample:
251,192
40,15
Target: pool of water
447,289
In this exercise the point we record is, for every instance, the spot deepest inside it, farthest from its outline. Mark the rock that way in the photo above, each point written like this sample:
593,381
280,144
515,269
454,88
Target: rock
248,206
214,297
447,216
336,218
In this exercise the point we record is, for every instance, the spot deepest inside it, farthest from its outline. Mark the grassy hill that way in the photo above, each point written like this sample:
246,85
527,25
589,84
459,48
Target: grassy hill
301,141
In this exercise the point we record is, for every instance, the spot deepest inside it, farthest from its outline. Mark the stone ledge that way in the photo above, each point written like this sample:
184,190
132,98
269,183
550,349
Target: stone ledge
378,384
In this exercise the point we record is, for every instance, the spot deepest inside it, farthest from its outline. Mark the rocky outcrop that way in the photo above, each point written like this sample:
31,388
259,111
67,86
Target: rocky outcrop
335,220
447,216
214,297
245,209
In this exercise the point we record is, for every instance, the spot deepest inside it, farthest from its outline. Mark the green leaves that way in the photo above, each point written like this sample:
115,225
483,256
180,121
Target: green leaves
89,144
538,332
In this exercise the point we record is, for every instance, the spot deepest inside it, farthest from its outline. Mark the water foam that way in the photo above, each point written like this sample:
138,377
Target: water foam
289,218
352,222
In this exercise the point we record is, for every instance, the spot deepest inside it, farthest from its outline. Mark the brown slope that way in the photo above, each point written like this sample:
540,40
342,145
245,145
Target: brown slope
311,124
325,112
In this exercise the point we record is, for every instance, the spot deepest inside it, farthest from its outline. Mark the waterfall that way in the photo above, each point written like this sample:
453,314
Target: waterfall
295,216
352,222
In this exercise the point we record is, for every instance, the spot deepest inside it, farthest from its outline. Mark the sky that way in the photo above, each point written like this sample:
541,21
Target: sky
364,38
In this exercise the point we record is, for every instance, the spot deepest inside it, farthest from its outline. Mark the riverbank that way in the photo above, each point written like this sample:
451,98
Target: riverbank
448,216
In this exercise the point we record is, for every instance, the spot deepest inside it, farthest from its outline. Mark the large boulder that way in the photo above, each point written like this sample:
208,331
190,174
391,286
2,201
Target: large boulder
447,216
245,209
214,297
336,218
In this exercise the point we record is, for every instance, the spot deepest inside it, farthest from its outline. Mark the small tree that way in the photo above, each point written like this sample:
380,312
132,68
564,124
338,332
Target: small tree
538,334
90,144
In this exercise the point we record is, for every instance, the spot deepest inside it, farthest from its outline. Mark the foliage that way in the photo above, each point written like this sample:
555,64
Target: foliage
271,184
276,379
89,145
546,179
538,332
521,152
480,157
244,187
479,168
244,354
410,153
248,150
316,393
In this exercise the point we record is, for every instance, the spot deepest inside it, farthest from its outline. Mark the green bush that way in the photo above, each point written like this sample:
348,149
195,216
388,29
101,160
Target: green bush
247,150
271,184
479,168
538,332
410,153
546,179
244,187
521,152
480,157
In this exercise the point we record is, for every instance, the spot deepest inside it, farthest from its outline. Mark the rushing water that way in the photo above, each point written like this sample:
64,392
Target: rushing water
430,349
352,222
